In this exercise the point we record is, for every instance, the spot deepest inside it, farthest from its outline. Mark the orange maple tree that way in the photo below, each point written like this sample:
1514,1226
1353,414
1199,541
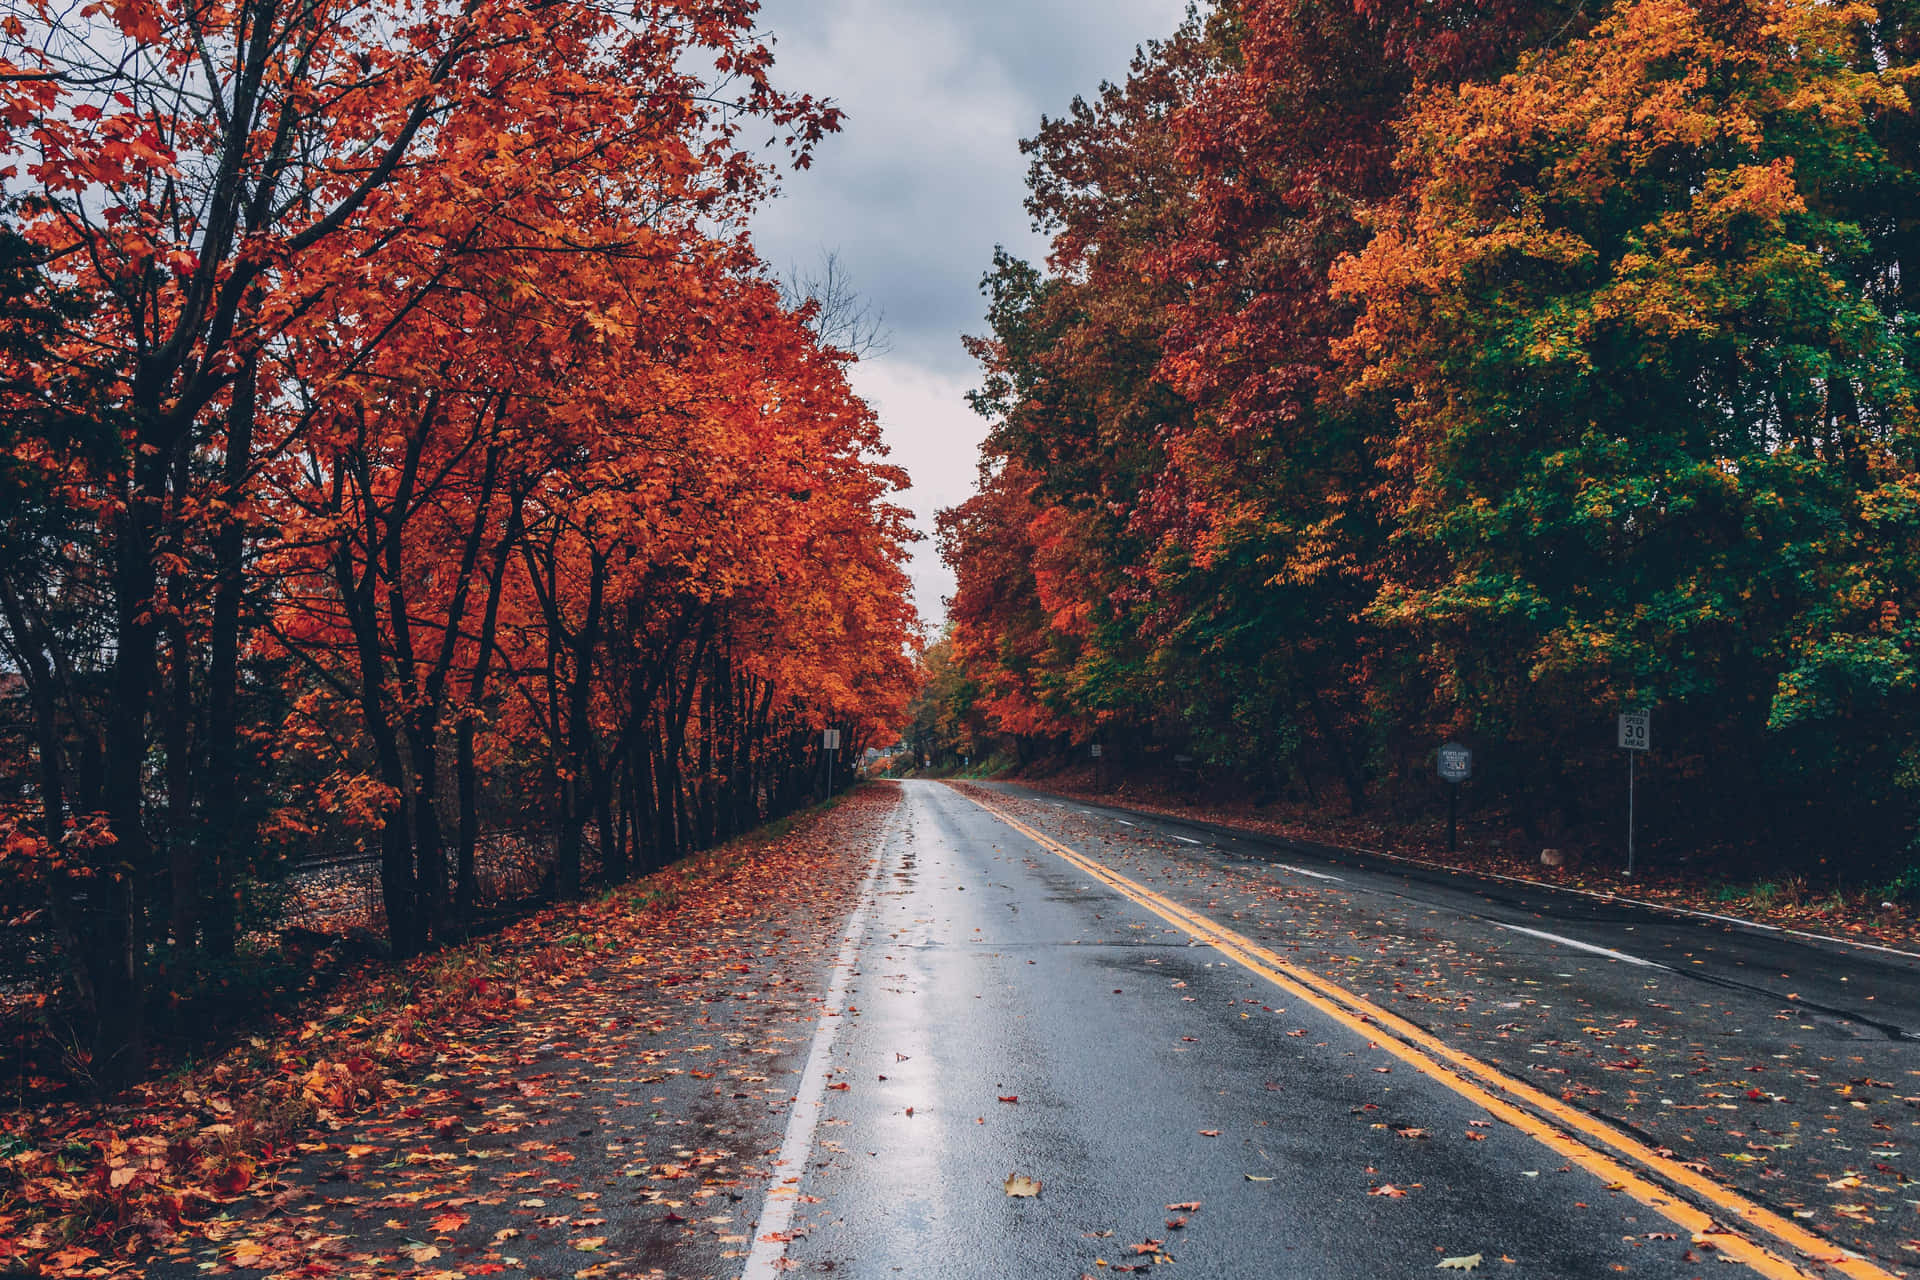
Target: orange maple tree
406,438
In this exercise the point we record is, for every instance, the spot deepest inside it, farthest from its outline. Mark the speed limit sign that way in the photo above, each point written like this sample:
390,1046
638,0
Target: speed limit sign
1634,732
1634,736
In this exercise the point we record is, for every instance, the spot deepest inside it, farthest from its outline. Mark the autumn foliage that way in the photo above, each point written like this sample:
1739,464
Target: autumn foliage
1403,372
401,444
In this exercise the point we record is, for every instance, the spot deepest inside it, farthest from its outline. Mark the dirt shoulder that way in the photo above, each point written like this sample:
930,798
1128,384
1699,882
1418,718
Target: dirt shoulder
1854,914
596,1089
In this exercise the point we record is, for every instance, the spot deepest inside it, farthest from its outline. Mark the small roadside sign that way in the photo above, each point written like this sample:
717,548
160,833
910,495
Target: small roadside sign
830,747
1454,763
1636,732
1096,751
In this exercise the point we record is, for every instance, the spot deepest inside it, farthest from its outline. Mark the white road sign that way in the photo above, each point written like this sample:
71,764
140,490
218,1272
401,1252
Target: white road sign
1635,734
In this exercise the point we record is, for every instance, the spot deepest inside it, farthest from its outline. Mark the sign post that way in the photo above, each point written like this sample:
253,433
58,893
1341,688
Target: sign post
830,741
1635,736
1454,763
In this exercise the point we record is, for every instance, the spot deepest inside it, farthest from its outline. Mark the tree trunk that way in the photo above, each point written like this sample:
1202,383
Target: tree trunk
183,872
224,831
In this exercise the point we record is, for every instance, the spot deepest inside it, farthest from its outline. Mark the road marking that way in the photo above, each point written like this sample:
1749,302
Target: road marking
1603,896
1302,871
1122,821
1608,952
809,1100
1546,1119
1188,839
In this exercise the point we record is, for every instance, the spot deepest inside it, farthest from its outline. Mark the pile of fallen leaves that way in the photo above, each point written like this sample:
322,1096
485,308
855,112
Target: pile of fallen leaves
91,1180
84,1185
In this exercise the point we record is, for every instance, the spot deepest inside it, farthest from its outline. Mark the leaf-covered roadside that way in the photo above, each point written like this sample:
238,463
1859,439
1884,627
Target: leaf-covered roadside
1700,885
177,1162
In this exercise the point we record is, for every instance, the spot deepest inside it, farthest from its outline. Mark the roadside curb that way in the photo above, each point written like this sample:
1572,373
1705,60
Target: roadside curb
1458,872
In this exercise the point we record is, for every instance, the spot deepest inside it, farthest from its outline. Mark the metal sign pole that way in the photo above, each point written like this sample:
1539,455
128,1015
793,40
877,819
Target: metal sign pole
1630,756
1636,735
1454,763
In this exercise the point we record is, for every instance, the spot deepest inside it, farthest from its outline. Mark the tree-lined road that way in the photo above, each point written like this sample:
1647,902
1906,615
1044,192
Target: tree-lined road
1183,1020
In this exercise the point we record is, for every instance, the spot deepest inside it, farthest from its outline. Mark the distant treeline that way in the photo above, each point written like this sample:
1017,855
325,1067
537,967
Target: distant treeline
1406,371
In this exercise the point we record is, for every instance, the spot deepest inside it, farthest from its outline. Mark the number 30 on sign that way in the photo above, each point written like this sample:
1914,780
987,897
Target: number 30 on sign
1634,732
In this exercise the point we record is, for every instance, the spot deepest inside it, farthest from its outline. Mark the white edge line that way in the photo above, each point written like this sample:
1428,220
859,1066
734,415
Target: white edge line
1123,822
1188,839
776,1213
1575,943
1648,903
1302,871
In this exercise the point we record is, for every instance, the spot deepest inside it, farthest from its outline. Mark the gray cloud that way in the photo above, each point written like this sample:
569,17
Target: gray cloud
926,178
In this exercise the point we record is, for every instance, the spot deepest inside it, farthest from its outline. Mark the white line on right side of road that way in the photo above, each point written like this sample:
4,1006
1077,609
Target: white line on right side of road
809,1100
1188,839
1608,952
1302,871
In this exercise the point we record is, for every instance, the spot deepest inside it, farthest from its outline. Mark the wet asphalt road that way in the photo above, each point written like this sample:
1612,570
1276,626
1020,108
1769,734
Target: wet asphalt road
1862,991
992,970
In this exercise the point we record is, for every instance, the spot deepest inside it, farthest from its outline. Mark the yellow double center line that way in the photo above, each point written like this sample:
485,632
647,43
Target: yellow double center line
1614,1157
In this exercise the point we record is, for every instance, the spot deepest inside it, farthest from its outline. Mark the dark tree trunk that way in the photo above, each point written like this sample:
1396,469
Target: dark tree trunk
183,872
225,830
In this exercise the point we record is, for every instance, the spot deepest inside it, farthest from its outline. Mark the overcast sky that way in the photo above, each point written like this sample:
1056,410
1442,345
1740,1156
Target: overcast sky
924,180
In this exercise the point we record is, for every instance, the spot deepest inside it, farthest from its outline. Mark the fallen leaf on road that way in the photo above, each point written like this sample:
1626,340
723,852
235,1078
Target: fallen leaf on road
1387,1189
1255,1177
1174,1224
1468,1263
1209,1133
1187,1206
589,1244
1011,1098
1019,1184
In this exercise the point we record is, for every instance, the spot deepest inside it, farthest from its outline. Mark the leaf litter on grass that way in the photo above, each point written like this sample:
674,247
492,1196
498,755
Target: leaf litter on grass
565,1087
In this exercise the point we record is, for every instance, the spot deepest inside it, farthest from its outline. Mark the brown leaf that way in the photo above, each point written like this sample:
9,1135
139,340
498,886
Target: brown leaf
1019,1184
